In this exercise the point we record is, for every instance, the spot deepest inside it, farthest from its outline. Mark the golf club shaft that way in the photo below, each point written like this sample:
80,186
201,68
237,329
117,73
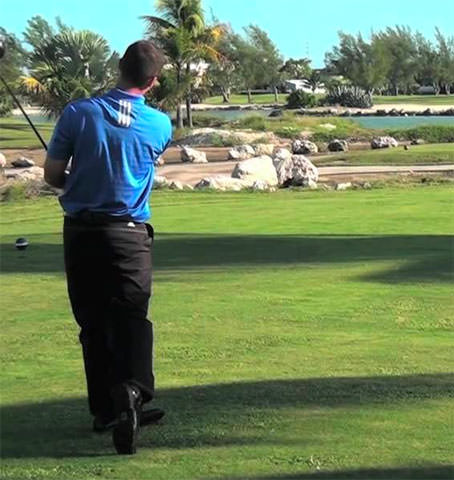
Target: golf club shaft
25,115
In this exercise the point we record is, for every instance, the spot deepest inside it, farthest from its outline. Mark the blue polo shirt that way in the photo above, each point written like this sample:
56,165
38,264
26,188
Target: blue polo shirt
114,142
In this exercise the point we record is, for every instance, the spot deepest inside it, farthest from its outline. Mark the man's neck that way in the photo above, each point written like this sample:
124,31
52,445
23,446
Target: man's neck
131,90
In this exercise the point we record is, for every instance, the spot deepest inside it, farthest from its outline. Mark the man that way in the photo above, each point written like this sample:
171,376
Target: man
113,142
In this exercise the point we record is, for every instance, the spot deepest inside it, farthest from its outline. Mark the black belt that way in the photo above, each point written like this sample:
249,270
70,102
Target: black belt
97,217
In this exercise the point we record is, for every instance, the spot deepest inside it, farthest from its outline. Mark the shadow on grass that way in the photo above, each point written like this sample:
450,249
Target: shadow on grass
420,257
209,415
428,472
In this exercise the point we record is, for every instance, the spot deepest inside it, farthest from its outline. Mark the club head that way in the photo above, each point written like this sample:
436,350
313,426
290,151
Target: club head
2,46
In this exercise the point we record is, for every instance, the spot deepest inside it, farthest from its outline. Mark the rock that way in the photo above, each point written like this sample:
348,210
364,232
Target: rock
383,142
303,147
281,154
160,182
260,185
159,161
242,152
257,168
264,149
23,162
188,186
176,185
406,147
192,155
367,185
277,112
338,146
222,182
310,184
296,170
343,186
325,186
32,173
417,141
2,160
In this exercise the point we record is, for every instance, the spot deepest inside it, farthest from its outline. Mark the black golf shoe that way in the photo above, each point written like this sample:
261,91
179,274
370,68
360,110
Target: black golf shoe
147,417
127,405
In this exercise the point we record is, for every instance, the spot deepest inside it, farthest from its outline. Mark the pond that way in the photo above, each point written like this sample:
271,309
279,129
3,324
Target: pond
403,122
367,122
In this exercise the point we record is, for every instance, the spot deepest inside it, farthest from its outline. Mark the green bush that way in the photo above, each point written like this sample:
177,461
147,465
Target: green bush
347,96
428,133
203,120
301,99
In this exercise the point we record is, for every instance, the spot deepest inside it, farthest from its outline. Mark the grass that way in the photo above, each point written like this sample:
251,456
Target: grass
378,99
16,133
416,155
415,99
259,99
299,335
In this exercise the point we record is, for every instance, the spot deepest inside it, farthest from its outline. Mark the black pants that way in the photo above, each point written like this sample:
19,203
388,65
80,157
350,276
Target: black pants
108,268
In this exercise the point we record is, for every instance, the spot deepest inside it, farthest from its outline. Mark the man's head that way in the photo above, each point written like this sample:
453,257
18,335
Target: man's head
141,65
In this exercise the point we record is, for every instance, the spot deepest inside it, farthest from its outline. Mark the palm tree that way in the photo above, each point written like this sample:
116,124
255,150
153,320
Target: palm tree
182,34
314,80
68,65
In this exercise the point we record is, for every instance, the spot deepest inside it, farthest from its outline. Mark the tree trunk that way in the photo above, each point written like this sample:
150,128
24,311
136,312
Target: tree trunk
225,95
179,116
189,111
276,97
249,96
179,110
188,100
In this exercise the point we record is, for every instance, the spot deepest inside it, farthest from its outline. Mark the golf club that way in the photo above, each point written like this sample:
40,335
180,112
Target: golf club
2,53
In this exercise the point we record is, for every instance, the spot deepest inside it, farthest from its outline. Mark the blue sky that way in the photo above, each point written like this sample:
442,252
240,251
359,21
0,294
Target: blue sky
298,27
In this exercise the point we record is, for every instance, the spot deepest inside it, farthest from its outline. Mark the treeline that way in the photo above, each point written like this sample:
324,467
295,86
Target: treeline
395,61
54,65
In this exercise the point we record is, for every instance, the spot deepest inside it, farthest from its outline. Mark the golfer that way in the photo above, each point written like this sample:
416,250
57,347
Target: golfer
113,142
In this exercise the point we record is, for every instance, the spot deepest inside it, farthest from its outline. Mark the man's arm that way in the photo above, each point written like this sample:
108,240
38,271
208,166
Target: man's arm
54,172
60,150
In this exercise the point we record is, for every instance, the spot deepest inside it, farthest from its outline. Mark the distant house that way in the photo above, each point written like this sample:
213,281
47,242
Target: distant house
427,90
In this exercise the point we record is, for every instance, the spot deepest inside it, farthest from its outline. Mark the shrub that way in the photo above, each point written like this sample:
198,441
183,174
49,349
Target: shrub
203,120
254,122
349,97
301,99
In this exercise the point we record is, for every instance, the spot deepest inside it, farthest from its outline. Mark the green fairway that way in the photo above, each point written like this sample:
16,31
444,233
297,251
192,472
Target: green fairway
16,133
378,99
447,100
299,335
415,155
237,99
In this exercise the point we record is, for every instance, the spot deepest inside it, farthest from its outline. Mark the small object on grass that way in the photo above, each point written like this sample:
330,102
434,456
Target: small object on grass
21,243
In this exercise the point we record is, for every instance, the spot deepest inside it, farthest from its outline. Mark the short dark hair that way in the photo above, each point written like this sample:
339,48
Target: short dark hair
141,61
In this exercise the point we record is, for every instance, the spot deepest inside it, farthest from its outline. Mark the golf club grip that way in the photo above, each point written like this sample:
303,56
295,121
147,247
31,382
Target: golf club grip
25,115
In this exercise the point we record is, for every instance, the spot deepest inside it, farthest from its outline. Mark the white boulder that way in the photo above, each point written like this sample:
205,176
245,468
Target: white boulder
257,168
281,154
242,152
384,142
343,186
32,173
176,185
296,170
160,182
264,149
23,162
338,146
303,147
2,160
193,156
222,182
